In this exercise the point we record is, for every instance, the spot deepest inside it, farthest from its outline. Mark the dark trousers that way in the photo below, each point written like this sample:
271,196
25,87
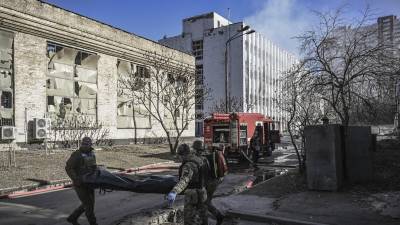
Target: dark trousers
256,155
86,195
211,188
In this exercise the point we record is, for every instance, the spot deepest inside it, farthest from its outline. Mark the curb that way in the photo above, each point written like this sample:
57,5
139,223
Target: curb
155,216
161,165
34,189
29,190
269,219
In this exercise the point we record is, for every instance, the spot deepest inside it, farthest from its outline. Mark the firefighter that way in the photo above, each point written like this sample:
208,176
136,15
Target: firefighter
212,183
255,145
192,177
82,161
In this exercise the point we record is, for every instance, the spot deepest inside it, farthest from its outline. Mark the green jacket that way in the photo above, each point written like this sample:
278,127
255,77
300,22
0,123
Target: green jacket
190,173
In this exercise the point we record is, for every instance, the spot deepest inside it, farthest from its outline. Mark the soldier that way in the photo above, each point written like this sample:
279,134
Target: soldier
192,182
212,183
82,161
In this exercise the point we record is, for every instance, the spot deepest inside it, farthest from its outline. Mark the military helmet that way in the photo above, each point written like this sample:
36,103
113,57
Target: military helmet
198,145
183,149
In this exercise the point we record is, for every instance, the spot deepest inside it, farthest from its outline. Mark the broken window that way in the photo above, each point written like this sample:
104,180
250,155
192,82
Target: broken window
197,49
71,82
170,78
6,78
142,72
6,99
131,78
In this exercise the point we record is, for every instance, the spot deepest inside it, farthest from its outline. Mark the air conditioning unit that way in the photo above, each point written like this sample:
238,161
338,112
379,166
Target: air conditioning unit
8,133
41,127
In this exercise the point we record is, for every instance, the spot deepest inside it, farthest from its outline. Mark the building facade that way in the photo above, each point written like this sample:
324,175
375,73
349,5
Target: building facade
253,65
389,33
59,64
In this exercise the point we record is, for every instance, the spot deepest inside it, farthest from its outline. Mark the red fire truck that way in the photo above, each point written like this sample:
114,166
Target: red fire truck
235,131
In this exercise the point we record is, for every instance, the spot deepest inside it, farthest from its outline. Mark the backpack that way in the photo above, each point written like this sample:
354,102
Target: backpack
217,164
202,173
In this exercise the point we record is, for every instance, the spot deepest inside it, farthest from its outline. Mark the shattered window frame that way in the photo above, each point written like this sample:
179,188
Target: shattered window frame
6,99
71,88
7,111
124,106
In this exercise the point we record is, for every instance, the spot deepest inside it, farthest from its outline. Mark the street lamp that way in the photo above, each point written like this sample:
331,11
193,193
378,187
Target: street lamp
237,35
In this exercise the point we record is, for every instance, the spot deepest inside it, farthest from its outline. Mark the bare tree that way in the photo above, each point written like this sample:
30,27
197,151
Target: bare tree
302,107
347,65
69,131
167,92
237,104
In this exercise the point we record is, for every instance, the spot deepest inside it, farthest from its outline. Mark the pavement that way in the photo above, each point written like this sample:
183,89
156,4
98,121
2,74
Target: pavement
50,204
232,184
52,208
269,203
308,207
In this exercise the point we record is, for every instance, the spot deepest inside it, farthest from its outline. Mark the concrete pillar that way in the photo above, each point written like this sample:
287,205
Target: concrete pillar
324,157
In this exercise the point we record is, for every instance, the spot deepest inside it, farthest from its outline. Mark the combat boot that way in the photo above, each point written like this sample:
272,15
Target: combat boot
72,221
220,219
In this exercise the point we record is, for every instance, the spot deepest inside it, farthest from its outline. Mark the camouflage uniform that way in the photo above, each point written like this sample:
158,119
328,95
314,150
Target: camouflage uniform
80,162
191,182
211,187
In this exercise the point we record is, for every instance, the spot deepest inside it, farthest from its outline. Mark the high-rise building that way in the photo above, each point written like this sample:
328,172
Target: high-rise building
389,30
235,63
389,33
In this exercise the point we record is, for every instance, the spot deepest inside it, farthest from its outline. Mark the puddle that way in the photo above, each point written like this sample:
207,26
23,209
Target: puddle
265,174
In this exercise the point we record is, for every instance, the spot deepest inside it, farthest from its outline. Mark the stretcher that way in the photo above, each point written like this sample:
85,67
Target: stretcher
103,179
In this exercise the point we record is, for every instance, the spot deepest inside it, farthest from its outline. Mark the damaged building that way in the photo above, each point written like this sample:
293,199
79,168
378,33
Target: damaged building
59,65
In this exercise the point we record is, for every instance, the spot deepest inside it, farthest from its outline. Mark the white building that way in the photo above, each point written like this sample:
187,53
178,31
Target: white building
254,64
58,63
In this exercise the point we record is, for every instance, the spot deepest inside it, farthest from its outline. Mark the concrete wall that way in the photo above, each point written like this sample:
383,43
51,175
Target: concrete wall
358,155
30,63
197,25
107,94
324,162
35,23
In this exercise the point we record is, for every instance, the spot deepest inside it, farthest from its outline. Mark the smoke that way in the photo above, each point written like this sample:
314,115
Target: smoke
280,21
